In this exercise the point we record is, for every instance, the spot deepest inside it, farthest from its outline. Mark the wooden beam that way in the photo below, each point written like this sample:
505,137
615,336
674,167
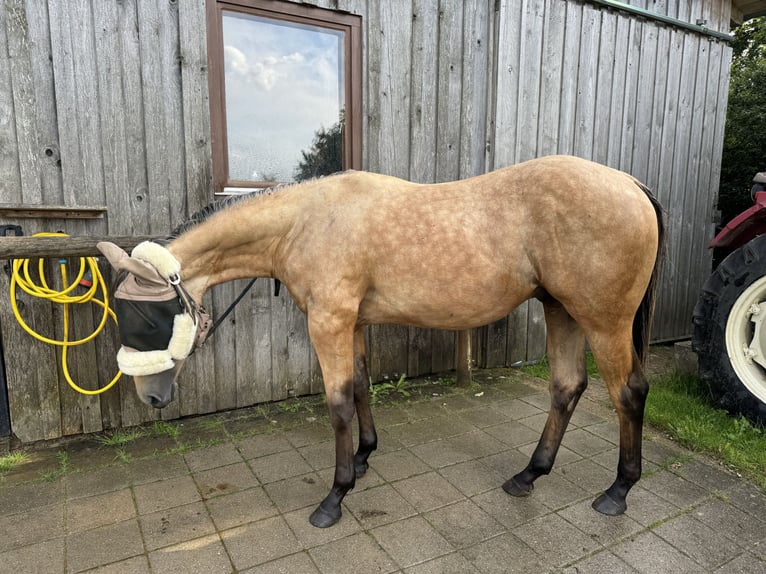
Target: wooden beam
65,246
463,359
51,211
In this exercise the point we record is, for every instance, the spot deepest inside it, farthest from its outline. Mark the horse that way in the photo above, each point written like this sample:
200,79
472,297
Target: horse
358,248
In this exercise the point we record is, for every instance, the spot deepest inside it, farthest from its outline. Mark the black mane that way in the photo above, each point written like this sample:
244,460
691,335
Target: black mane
209,210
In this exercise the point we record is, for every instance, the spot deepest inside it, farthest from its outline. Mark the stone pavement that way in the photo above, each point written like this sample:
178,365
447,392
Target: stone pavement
232,493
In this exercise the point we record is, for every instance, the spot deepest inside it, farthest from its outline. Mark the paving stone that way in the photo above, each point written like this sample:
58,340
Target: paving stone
662,453
425,410
507,463
440,453
450,564
263,445
166,494
749,499
213,456
430,429
601,563
647,508
555,491
225,480
310,433
743,564
297,492
705,546
411,541
26,497
585,443
517,409
205,554
730,521
605,530
99,510
279,466
156,468
352,555
320,455
536,423
674,488
704,474
508,510
484,416
299,563
555,540
563,456
378,506
103,545
174,525
240,508
42,557
96,481
513,433
427,491
496,556
310,536
259,542
540,400
397,465
650,554
609,430
583,417
472,477
464,523
586,474
135,565
31,527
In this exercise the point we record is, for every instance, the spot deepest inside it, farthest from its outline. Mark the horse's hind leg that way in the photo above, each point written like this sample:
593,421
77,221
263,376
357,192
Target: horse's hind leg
628,388
566,354
368,438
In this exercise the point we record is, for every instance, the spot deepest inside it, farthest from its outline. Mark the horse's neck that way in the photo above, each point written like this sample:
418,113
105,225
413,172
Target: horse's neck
236,243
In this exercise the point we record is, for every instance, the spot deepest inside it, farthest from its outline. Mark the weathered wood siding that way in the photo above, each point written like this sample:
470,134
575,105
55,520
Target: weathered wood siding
105,103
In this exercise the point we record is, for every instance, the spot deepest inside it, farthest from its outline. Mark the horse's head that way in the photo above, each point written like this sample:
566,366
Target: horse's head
159,323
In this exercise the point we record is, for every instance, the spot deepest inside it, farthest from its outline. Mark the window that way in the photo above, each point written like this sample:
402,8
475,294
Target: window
285,92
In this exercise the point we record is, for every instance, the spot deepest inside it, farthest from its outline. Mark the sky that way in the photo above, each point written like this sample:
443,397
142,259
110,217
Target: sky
283,83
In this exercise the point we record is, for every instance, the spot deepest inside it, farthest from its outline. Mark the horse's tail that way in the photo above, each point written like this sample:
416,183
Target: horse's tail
642,323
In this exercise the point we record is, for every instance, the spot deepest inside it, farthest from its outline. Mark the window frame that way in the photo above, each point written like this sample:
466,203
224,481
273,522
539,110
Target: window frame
350,24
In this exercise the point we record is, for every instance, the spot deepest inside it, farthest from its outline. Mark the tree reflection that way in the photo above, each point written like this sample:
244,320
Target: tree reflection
325,155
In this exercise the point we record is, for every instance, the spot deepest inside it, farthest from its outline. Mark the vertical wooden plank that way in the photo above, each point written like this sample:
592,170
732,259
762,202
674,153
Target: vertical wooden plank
475,85
32,377
389,78
262,342
425,23
530,69
606,86
568,97
10,177
553,53
642,135
616,108
587,87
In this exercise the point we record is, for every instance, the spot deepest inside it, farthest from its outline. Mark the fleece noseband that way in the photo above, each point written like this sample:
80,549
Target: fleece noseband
159,322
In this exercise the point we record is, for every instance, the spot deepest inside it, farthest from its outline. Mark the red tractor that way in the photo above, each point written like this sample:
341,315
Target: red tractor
730,316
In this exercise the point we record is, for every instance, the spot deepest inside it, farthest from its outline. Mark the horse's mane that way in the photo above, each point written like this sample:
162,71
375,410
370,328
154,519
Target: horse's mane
223,204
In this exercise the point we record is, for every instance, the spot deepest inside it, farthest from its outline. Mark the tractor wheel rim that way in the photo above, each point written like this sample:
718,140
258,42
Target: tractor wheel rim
746,338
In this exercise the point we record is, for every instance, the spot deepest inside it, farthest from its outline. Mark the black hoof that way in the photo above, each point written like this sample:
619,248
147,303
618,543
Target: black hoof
361,469
322,518
515,488
605,504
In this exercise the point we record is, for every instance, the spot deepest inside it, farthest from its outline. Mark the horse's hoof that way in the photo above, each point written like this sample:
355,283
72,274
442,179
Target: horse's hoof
361,469
605,504
515,488
322,518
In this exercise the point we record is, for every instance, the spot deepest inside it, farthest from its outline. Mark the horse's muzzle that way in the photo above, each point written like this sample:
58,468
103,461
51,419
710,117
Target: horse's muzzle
158,390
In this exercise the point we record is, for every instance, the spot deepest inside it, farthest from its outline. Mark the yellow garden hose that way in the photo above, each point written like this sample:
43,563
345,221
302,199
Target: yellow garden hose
20,277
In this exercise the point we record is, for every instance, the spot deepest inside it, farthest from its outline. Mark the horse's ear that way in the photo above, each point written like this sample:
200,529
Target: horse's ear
121,261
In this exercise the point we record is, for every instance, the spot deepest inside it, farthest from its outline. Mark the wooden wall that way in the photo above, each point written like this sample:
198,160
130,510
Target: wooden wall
105,103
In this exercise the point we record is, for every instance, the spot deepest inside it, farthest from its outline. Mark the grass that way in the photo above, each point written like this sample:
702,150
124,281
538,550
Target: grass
120,438
682,407
164,428
11,460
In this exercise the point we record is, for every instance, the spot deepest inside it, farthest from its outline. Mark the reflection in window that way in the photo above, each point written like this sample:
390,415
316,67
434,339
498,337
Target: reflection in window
284,98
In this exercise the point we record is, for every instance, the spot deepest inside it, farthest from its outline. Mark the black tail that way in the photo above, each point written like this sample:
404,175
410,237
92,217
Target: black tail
642,323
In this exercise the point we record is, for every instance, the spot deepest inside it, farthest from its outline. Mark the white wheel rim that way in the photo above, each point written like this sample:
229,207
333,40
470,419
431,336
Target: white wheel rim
746,338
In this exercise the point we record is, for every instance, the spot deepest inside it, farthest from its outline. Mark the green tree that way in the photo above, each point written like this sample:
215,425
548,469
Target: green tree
326,153
744,148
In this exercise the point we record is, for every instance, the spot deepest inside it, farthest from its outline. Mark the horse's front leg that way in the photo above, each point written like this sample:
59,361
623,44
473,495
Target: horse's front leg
333,339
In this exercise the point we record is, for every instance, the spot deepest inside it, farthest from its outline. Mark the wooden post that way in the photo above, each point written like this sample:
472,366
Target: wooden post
463,359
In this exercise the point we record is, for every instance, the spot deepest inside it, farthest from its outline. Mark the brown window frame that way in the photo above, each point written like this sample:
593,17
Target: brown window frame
298,13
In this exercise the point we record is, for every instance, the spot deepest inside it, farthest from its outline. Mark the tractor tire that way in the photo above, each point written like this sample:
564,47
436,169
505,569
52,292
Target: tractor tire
730,332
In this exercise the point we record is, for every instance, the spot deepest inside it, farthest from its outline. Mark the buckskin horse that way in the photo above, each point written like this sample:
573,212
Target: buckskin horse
359,248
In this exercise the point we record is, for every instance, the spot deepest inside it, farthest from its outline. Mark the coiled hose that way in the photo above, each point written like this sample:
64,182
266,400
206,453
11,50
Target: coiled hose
20,277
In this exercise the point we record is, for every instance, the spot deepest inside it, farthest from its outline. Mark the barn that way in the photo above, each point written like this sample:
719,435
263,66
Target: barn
124,117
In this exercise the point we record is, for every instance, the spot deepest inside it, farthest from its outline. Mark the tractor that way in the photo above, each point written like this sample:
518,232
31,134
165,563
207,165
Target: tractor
729,334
